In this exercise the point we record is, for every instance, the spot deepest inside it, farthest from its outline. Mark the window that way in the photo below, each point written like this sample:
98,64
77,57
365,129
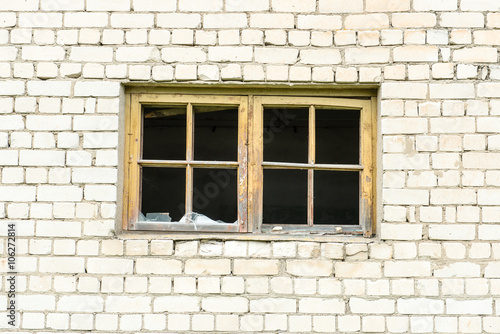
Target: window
249,162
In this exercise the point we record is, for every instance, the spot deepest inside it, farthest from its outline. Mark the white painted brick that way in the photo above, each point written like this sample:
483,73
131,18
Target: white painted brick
108,5
319,305
12,87
247,6
225,304
320,57
102,88
49,53
416,54
211,21
178,20
172,55
48,123
275,55
320,22
205,6
404,90
41,158
396,232
380,306
480,306
154,6
63,265
357,270
453,196
80,304
285,21
91,54
255,267
273,305
125,304
137,54
177,304
308,267
49,88
367,21
476,55
85,20
458,20
8,158
40,20
407,268
59,193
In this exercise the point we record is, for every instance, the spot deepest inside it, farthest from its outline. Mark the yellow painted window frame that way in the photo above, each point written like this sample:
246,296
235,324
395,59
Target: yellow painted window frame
250,152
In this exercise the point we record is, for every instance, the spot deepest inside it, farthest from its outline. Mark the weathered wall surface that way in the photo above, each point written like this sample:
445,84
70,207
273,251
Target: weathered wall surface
434,265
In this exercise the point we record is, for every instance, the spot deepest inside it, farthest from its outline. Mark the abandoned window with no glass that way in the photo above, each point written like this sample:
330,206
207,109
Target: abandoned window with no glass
245,163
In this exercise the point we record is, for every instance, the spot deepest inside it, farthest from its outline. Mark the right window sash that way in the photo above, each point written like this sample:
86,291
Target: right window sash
312,165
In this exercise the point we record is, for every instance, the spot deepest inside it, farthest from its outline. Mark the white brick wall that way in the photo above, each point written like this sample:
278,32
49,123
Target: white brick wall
433,264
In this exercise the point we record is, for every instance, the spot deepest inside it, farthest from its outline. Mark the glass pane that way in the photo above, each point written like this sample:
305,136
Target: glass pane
215,193
164,133
285,134
163,191
337,136
336,198
285,196
216,133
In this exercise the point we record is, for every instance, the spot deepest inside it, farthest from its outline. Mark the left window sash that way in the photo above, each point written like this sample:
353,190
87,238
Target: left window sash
135,162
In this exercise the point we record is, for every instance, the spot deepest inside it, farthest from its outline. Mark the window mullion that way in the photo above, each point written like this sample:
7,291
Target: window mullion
312,159
189,157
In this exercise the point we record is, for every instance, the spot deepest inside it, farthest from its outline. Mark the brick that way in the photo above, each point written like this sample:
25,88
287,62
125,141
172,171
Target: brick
62,265
40,20
488,89
285,21
488,197
406,196
172,55
380,306
319,22
178,20
320,57
459,20
12,87
407,268
420,306
80,304
275,55
230,54
49,53
154,6
366,55
273,305
396,232
109,266
435,5
413,20
41,158
103,88
340,6
225,304
158,266
247,6
58,229
49,88
125,304
416,54
357,270
28,5
212,21
294,6
476,55
85,20
48,123
108,5
8,53
208,267
319,305
255,267
91,54
205,6
476,307
453,196
367,21
309,267
177,304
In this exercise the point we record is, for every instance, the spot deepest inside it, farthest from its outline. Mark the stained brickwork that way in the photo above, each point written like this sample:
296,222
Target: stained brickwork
434,264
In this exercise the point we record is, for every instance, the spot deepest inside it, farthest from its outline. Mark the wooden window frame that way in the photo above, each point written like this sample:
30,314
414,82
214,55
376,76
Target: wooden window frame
250,162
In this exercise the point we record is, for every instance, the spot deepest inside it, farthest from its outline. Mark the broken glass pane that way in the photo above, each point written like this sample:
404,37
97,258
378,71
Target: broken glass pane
164,133
215,193
163,191
285,134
